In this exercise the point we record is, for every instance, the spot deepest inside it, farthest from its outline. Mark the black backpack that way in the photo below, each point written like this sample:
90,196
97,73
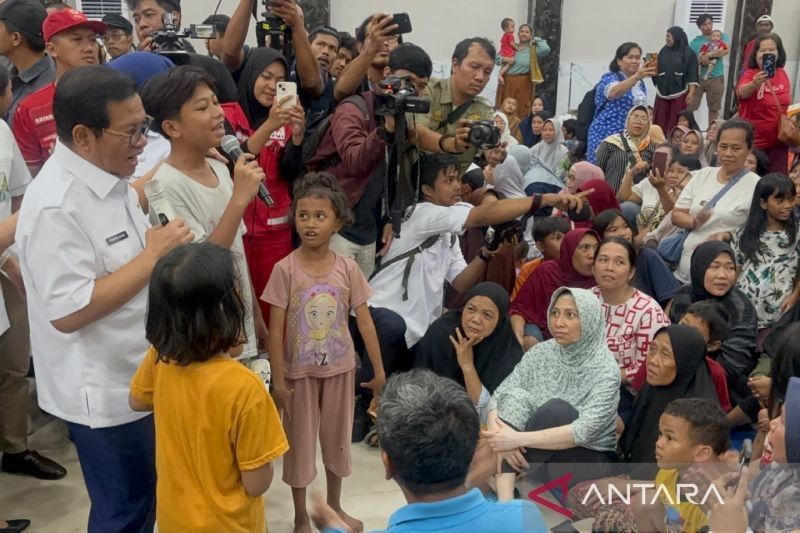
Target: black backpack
313,140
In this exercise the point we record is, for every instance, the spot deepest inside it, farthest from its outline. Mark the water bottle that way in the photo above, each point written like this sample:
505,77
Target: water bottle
161,211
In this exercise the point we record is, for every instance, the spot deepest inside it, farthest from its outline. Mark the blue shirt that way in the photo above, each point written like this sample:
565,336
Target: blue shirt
719,69
468,512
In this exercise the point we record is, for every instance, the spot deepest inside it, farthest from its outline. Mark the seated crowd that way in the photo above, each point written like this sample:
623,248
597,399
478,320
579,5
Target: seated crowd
619,296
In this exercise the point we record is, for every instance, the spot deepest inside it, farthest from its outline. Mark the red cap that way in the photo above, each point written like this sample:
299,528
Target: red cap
66,19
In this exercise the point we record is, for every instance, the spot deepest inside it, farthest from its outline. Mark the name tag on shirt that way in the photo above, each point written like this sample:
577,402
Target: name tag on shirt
114,239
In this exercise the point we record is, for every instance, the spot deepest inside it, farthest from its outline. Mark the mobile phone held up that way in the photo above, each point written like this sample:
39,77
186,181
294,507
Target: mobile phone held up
660,162
768,64
744,460
284,89
651,60
403,22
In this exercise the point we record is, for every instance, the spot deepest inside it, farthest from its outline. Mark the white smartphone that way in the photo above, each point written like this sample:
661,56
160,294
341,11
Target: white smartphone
287,88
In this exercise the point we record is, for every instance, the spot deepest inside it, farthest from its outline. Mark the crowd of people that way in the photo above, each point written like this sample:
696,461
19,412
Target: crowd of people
215,261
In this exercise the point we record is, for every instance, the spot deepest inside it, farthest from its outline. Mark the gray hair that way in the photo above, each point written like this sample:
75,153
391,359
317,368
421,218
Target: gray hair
429,428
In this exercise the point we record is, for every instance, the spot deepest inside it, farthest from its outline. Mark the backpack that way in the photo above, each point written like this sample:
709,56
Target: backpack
314,138
587,110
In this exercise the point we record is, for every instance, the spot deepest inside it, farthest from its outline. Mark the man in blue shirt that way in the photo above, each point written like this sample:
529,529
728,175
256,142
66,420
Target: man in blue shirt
428,429
712,85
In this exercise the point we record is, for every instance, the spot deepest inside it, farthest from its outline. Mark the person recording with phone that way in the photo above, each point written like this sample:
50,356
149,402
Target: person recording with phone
272,130
314,54
765,93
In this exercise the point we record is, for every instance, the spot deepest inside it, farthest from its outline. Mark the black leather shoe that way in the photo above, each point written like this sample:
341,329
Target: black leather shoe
30,463
15,525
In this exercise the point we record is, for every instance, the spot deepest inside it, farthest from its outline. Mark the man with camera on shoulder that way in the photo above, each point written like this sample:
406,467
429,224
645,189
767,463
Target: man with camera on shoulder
354,150
158,22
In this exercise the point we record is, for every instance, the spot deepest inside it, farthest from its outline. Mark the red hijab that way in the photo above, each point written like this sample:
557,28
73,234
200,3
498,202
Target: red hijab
533,298
602,199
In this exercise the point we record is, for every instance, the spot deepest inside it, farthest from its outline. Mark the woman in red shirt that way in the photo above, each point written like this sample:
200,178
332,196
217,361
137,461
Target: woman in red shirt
762,100
276,136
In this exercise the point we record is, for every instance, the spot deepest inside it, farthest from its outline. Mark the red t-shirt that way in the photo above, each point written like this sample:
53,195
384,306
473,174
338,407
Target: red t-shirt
507,45
34,126
761,109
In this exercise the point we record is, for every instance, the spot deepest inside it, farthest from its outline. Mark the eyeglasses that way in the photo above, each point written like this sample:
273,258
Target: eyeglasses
133,138
640,120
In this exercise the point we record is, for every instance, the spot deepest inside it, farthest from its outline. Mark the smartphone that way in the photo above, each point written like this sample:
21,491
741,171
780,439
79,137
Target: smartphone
287,88
744,460
403,22
768,62
660,162
651,60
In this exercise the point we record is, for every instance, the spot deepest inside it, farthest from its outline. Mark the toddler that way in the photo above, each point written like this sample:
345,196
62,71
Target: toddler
508,48
715,45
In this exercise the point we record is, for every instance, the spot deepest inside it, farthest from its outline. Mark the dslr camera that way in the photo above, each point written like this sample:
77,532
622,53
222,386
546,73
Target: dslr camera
271,30
484,134
398,96
168,39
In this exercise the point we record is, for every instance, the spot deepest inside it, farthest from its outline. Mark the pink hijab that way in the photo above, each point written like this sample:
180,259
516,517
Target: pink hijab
585,172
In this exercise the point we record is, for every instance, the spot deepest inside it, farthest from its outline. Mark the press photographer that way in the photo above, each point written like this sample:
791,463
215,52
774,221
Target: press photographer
158,28
362,130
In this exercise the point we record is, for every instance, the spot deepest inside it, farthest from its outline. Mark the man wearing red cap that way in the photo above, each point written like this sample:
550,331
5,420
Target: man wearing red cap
71,41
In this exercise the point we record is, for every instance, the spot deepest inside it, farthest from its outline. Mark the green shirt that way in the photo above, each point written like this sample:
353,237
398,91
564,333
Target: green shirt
442,105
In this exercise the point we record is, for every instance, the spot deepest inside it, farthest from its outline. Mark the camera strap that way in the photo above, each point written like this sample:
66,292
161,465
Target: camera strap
455,114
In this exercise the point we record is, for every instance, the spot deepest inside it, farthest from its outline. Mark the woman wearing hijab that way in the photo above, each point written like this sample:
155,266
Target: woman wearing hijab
275,135
676,135
676,368
601,199
676,81
629,151
580,173
542,177
573,269
501,120
474,345
531,128
507,178
692,145
773,497
713,277
560,402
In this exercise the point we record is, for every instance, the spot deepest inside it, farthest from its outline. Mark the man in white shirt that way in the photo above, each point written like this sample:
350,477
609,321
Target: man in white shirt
87,254
409,284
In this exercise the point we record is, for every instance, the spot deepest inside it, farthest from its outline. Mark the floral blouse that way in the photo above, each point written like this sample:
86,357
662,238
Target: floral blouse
770,279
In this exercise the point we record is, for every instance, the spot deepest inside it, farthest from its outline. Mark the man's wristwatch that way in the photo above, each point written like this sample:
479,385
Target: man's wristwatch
483,257
536,204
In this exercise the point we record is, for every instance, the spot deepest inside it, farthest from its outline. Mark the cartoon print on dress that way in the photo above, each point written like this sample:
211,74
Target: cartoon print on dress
322,336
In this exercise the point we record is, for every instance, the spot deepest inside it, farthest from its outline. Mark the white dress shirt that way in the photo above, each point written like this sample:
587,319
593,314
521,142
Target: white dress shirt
431,268
77,224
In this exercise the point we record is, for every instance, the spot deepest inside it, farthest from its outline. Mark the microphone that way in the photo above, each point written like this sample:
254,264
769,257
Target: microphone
231,147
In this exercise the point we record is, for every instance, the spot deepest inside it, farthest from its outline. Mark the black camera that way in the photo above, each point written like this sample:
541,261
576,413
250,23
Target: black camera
272,30
397,96
505,232
484,134
168,39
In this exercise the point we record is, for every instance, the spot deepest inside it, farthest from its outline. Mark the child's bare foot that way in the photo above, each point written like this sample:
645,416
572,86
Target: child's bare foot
356,526
302,524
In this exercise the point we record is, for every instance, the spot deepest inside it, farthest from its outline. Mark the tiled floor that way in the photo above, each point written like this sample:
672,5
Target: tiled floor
63,506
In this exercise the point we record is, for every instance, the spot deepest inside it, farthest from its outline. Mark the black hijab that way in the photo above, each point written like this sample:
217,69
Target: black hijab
259,59
675,65
702,257
692,380
495,356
